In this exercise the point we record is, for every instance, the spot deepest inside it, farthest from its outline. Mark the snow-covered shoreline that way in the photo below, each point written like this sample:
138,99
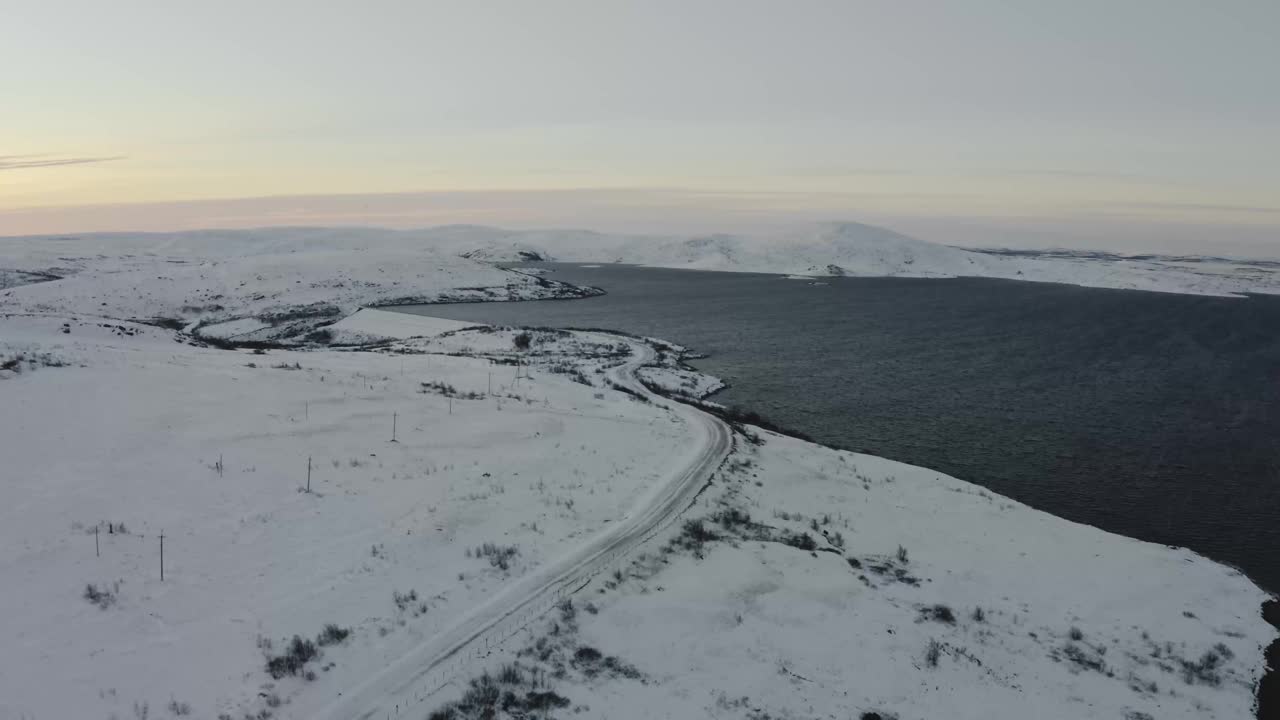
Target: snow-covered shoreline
391,485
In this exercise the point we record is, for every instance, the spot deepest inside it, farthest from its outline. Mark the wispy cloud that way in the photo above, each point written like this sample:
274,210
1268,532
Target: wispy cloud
1244,209
24,162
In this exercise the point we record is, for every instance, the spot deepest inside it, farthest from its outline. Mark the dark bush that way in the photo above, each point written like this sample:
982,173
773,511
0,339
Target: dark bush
510,675
696,531
802,541
938,613
732,517
1082,659
102,597
480,698
545,701
1204,670
332,635
522,341
499,556
404,600
694,534
323,336
300,652
618,668
567,610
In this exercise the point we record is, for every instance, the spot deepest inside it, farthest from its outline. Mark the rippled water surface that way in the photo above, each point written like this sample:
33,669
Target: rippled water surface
1151,415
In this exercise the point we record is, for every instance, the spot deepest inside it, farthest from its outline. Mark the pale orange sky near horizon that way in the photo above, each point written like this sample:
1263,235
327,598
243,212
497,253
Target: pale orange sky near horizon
1140,126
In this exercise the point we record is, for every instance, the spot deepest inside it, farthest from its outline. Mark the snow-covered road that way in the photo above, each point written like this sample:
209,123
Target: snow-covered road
437,661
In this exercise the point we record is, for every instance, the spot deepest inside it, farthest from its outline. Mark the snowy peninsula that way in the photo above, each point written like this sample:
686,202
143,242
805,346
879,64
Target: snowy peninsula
367,514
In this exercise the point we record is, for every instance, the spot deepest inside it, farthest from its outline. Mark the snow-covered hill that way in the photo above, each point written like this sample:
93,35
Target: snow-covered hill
804,582
372,498
856,249
844,248
252,285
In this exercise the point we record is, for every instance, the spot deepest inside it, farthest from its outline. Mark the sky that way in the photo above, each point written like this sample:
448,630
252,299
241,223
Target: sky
1126,124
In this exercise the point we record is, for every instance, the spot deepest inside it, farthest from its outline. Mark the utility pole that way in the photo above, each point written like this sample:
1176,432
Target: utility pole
161,556
96,551
393,427
308,473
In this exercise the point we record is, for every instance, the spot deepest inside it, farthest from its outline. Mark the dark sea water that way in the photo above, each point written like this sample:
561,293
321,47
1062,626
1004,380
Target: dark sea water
1151,415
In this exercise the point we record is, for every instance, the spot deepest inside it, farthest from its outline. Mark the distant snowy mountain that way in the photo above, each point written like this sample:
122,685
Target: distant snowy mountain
864,250
257,285
855,249
830,249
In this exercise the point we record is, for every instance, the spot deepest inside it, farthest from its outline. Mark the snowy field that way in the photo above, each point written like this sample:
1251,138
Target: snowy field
421,503
129,434
922,597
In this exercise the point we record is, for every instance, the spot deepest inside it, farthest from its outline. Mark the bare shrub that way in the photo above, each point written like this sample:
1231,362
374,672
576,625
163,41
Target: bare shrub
1082,659
102,597
693,535
298,654
332,635
404,600
938,613
932,653
732,518
567,611
801,541
500,556
1204,670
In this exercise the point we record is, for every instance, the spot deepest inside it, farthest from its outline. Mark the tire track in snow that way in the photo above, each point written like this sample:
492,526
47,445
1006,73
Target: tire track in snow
435,662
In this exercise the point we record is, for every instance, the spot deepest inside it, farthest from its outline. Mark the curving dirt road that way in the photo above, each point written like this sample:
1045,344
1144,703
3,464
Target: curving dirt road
399,686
